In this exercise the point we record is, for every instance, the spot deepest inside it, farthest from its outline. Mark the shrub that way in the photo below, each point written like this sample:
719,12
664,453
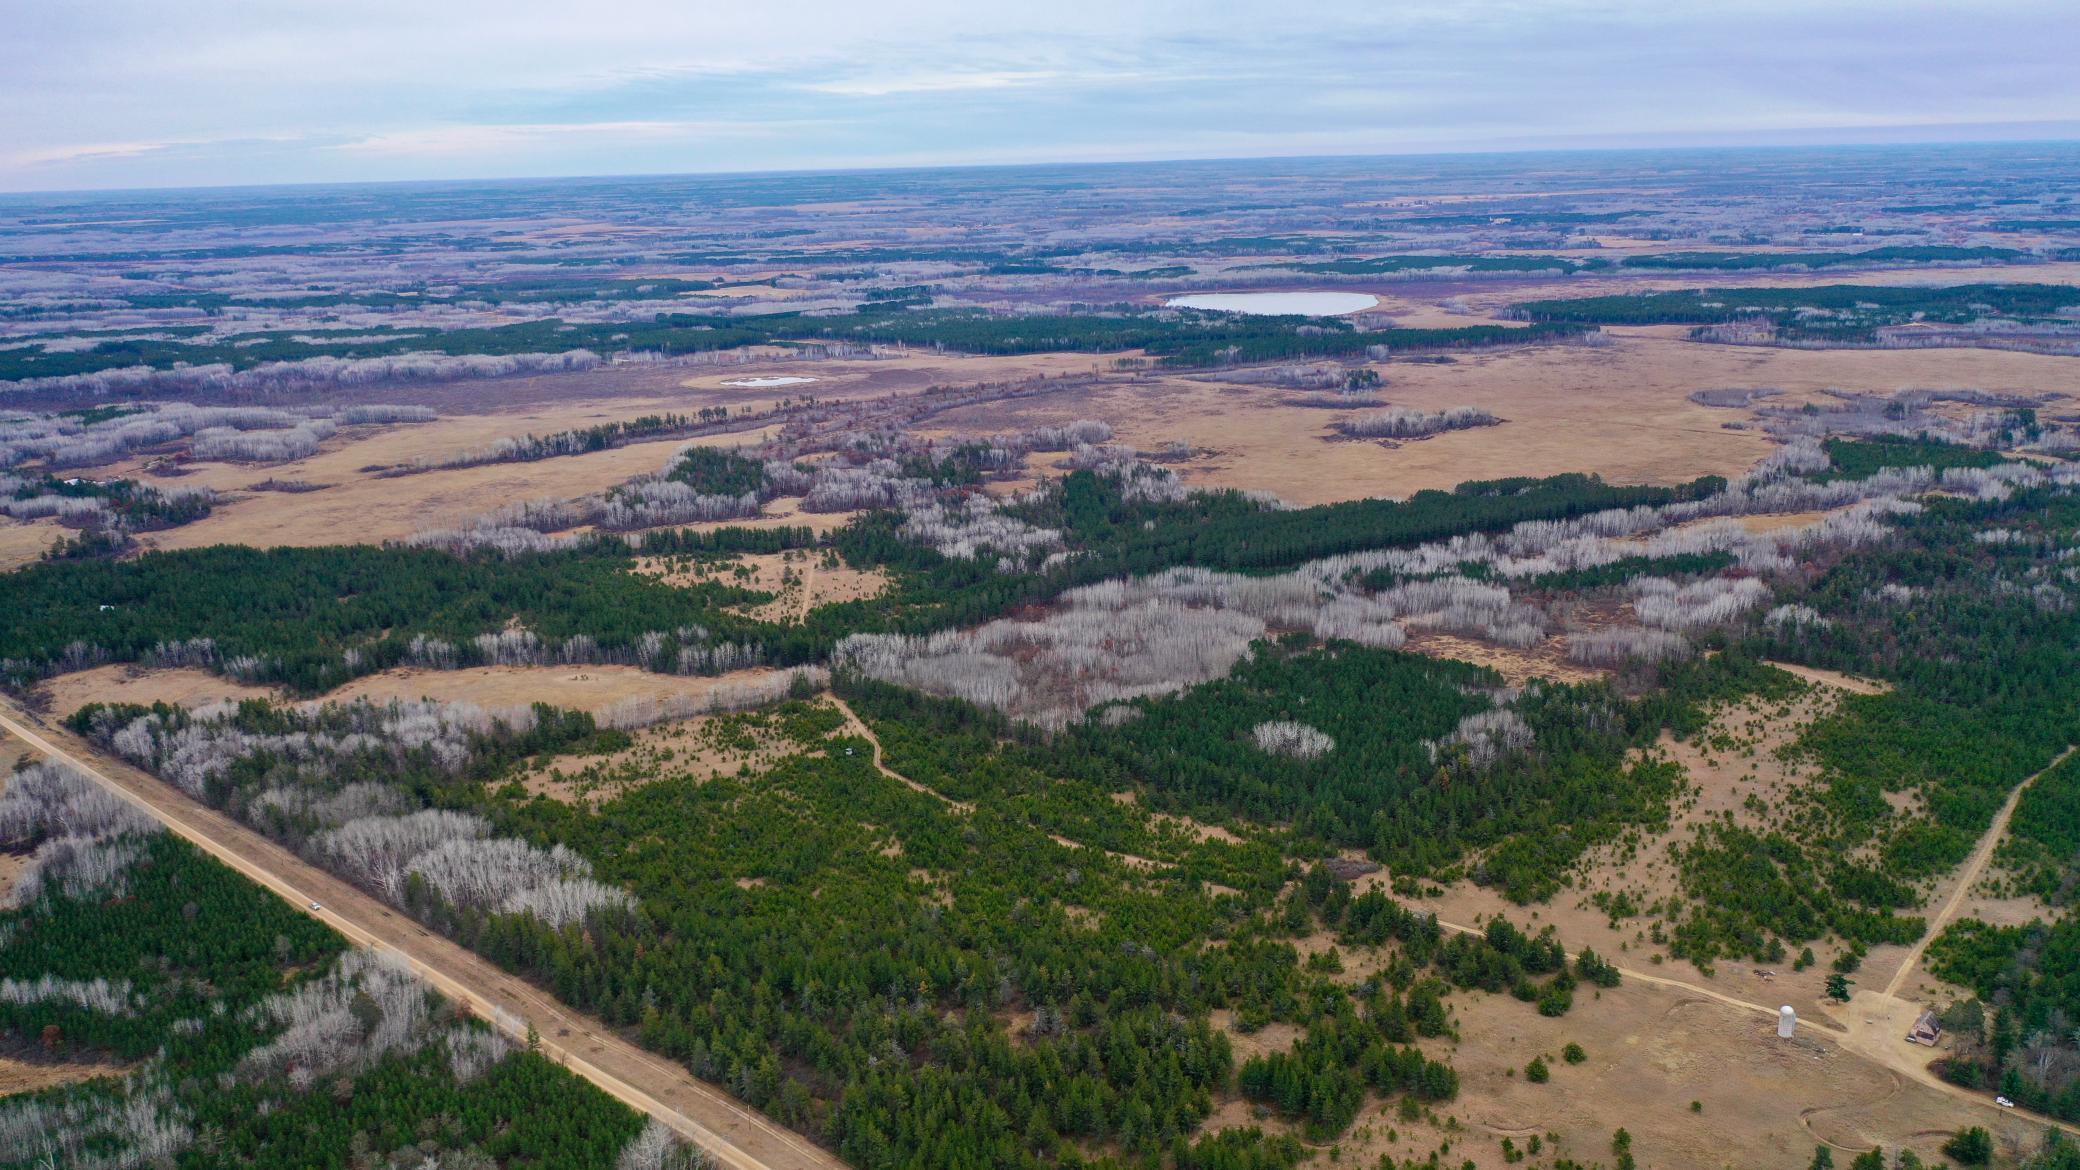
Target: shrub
1970,1147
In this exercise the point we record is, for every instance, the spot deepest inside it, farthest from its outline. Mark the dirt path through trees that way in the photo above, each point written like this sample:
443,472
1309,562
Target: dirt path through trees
732,1133
1974,868
859,728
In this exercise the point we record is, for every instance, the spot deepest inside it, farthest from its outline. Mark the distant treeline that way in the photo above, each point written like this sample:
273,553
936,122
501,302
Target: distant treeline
1178,339
1897,254
1382,265
1843,310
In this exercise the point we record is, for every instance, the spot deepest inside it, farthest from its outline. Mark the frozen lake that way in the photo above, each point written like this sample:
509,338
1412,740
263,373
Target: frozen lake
1278,304
762,383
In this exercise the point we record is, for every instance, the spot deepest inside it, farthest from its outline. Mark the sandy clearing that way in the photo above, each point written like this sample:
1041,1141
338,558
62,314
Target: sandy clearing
785,512
1733,762
1652,1051
24,544
34,1075
1547,660
1772,521
12,867
183,686
694,749
1834,678
583,688
799,580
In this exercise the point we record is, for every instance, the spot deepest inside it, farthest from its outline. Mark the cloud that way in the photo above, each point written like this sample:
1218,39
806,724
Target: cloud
73,154
950,82
138,92
450,141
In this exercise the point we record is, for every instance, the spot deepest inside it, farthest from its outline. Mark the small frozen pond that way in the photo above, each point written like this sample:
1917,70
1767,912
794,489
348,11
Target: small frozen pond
1278,304
762,383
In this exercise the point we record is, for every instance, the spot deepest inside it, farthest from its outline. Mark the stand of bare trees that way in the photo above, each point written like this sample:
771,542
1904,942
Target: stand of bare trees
1153,635
142,1126
84,836
1414,424
357,831
308,374
1283,737
219,432
1484,738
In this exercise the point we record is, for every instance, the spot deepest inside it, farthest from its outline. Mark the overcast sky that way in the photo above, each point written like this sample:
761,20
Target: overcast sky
138,93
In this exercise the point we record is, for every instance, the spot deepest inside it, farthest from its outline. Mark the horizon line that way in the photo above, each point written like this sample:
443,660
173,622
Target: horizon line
2066,133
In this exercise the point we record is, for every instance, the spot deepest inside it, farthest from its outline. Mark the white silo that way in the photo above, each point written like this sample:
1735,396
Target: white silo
1787,1021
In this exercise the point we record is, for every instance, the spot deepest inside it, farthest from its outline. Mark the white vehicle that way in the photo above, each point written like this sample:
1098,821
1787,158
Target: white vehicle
2004,1103
315,906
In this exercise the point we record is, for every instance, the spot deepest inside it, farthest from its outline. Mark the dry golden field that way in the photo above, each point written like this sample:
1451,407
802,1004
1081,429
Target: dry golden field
1621,410
584,688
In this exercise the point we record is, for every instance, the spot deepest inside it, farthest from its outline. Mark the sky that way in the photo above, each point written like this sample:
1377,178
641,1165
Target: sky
147,93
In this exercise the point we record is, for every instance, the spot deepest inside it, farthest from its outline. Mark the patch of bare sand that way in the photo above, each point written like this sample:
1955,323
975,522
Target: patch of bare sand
183,686
1547,660
583,688
799,579
1835,679
24,544
1651,1052
32,1075
1621,410
697,749
1764,522
1273,1037
2003,911
1735,772
1773,521
12,867
1197,829
785,512
1131,861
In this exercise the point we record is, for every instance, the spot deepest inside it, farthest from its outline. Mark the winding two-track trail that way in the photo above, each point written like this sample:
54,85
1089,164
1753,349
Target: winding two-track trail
731,1132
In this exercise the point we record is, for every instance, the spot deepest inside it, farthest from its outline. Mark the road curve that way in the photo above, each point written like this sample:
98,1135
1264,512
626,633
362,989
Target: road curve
731,1132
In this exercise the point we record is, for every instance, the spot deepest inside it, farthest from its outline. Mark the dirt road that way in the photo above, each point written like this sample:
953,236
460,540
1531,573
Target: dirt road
732,1133
858,727
1974,867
